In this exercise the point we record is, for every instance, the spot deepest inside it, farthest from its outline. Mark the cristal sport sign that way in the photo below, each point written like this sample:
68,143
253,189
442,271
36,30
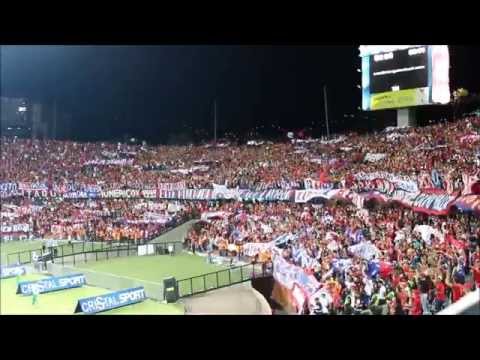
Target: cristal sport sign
11,271
51,284
110,301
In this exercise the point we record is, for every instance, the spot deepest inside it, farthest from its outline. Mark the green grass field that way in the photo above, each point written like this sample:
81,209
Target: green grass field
180,266
146,268
63,302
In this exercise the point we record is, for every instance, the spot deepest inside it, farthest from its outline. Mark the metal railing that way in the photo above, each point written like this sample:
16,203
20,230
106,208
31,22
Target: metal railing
88,251
222,278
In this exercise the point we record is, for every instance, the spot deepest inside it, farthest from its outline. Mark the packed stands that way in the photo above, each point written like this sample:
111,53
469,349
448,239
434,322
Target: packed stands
384,223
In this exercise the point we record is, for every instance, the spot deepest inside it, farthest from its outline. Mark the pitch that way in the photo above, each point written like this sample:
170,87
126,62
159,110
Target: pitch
63,302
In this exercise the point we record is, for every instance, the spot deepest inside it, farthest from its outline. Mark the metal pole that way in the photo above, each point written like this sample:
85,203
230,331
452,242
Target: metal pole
215,121
326,109
54,118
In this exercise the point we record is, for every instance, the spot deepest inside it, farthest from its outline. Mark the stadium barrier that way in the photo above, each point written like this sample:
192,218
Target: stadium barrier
222,278
87,251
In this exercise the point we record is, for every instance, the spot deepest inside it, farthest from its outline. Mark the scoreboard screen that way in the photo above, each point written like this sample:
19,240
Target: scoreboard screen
397,76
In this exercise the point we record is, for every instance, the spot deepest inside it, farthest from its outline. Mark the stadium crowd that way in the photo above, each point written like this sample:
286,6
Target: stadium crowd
377,258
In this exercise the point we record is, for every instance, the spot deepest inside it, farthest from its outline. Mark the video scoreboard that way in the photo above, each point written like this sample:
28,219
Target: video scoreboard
399,76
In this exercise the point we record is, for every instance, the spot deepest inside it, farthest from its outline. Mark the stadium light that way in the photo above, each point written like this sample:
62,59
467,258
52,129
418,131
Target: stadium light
358,70
359,86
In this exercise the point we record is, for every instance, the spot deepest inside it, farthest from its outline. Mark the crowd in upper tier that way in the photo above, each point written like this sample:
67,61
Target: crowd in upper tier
450,148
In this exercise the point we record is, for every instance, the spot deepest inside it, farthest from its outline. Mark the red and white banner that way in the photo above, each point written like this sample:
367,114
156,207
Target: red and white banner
116,162
172,186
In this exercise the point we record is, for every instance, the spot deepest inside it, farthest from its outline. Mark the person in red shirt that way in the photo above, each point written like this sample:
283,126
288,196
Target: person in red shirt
458,290
440,295
476,274
416,305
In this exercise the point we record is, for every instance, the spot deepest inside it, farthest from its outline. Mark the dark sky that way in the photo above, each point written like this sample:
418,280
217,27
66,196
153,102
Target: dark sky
154,91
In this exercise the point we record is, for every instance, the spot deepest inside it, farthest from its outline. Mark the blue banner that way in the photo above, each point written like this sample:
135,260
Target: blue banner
11,271
51,284
110,301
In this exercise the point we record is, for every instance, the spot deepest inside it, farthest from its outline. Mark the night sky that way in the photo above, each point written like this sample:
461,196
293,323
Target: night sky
153,92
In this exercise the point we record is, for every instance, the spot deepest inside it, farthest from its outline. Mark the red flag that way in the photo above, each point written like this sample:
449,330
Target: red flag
457,243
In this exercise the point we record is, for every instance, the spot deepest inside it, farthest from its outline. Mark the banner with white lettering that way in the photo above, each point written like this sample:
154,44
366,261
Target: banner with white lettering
433,204
11,271
16,228
373,157
117,162
303,196
51,284
96,304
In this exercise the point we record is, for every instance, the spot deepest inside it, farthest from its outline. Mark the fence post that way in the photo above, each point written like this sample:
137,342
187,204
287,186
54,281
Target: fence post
191,286
83,247
73,259
229,277
85,256
72,248
107,254
30,253
96,256
204,283
18,257
241,273
217,279
118,251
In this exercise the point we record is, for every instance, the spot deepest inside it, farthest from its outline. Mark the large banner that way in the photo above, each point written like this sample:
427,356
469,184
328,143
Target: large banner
11,271
16,228
405,183
288,275
8,189
95,304
303,196
117,162
172,186
316,184
433,204
267,195
52,284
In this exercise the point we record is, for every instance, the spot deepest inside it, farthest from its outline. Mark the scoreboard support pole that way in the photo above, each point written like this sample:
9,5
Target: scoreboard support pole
406,117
